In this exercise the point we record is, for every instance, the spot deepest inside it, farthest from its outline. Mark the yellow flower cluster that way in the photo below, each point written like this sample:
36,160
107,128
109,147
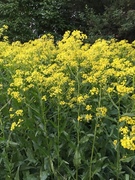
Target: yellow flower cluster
88,107
73,74
128,132
4,28
85,117
129,120
101,111
14,124
17,113
122,90
81,99
128,142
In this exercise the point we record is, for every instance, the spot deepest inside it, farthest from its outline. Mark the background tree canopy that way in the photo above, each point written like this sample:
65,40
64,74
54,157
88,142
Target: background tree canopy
29,19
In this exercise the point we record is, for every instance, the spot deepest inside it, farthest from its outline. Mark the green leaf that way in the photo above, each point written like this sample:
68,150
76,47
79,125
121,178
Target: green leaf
126,176
129,114
30,155
27,175
52,166
77,158
13,144
96,171
86,138
102,159
43,175
17,174
128,159
131,171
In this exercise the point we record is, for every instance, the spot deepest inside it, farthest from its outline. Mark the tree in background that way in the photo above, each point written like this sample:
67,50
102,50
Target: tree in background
29,19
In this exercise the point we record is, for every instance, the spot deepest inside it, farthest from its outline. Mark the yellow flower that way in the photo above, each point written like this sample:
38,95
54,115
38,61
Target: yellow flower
5,26
115,142
132,143
44,98
123,89
133,129
80,99
14,124
18,82
124,130
125,142
5,38
110,89
128,142
16,95
128,120
62,102
19,112
11,109
94,90
79,118
11,116
88,107
101,111
88,117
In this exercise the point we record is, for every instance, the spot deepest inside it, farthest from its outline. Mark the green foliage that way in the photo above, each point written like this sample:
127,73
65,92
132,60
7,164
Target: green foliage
103,19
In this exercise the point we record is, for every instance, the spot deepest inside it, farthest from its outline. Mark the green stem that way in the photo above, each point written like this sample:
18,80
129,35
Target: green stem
94,138
58,137
118,146
118,137
92,151
78,123
5,157
44,121
43,116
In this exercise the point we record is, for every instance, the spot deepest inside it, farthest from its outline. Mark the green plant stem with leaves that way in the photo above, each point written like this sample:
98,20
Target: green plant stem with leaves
94,138
78,126
118,140
58,137
44,121
118,135
92,150
4,154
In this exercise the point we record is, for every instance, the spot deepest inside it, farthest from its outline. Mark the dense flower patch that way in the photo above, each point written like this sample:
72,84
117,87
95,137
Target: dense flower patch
67,109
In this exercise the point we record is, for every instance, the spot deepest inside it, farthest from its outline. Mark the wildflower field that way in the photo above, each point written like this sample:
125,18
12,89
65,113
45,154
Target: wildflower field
67,109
